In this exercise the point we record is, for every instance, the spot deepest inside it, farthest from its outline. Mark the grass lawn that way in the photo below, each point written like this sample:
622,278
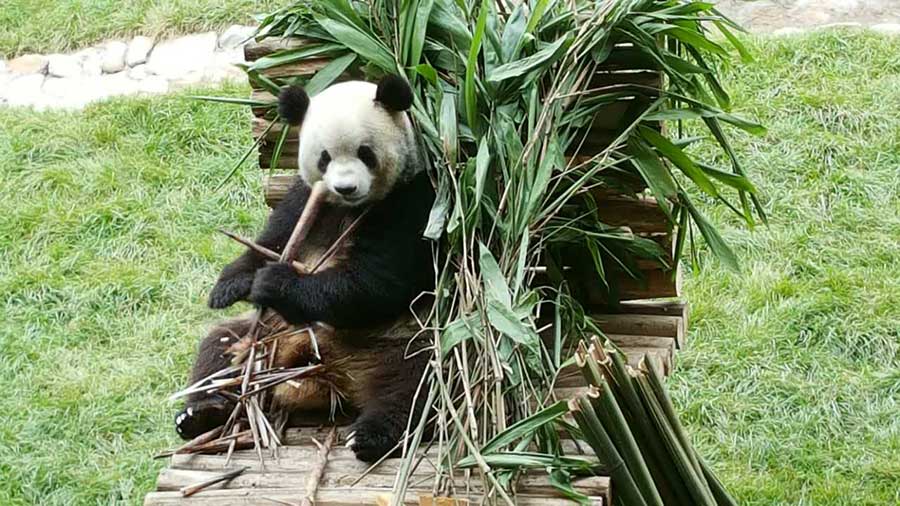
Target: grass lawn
790,384
45,26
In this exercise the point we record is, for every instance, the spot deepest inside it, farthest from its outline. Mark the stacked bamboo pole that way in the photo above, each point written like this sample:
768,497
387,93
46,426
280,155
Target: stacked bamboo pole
628,419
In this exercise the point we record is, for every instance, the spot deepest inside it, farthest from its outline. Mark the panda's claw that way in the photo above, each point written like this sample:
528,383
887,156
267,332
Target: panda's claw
195,420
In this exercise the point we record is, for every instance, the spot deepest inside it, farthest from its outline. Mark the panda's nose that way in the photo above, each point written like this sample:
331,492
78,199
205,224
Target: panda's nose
345,189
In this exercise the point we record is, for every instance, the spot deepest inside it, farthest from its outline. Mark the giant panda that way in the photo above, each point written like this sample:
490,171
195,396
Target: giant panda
357,137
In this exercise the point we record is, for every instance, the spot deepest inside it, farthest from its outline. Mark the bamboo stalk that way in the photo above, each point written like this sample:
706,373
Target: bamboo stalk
652,374
264,251
599,440
723,498
669,483
614,422
696,487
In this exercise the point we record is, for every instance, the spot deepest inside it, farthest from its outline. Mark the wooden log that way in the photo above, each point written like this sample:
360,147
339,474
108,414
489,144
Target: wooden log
669,307
643,325
326,497
256,50
641,214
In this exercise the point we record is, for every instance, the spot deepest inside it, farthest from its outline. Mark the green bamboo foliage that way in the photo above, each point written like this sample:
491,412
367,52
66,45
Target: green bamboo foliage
504,102
645,433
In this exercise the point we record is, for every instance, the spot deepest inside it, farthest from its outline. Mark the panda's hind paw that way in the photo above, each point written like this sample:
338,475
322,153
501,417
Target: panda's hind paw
372,439
200,418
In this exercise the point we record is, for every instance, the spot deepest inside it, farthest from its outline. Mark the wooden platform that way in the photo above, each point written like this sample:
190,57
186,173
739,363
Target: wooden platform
652,329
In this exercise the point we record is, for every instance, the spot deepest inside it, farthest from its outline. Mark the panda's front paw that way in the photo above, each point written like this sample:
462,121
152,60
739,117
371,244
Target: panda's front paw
230,289
272,285
200,418
373,438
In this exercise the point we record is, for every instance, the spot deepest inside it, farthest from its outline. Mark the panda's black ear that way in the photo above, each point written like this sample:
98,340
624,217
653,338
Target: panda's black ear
292,104
394,93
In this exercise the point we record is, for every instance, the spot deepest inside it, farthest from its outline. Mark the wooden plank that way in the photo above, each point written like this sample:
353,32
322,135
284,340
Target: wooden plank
324,497
534,483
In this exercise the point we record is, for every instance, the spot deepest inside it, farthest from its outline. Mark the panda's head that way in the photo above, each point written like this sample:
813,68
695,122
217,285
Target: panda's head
356,136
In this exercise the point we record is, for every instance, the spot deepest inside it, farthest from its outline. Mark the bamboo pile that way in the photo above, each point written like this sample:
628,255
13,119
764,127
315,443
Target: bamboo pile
629,421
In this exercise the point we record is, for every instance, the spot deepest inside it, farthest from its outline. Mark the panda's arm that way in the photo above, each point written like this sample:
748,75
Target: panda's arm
236,279
388,266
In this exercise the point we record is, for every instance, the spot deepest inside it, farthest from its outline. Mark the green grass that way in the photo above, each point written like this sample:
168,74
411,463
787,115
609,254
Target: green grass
790,384
46,26
107,226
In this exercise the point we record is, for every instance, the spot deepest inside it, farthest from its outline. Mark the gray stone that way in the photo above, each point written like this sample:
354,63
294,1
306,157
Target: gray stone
887,28
113,85
176,59
235,36
153,84
91,59
28,64
138,72
112,59
138,50
222,67
63,65
25,90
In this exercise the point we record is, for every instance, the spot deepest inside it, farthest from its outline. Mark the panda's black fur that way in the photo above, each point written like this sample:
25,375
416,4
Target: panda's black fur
363,296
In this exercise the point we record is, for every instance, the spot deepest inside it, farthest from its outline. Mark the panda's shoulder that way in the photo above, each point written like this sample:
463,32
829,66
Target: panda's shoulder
408,202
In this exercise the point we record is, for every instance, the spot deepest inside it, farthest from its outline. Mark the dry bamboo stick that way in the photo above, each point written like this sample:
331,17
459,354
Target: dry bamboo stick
193,489
312,482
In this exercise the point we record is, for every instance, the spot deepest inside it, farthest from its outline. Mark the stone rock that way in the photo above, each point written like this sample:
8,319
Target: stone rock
3,69
113,85
177,58
138,50
153,84
887,28
223,68
112,59
91,59
25,91
62,65
138,72
235,36
28,64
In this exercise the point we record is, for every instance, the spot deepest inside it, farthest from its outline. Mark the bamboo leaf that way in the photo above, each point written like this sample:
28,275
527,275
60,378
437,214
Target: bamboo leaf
524,427
716,244
427,71
472,66
679,158
495,286
545,56
327,74
360,42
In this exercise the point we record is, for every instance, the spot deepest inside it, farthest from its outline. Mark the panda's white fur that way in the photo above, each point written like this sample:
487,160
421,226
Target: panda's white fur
326,129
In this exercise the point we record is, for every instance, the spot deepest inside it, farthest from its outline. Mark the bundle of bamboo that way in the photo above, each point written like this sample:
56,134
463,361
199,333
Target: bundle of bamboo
630,422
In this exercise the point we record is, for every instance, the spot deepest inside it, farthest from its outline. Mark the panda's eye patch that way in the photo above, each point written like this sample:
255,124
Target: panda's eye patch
324,160
367,156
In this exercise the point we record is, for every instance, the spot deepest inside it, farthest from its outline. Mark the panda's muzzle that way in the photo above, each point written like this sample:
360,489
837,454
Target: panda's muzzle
345,190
